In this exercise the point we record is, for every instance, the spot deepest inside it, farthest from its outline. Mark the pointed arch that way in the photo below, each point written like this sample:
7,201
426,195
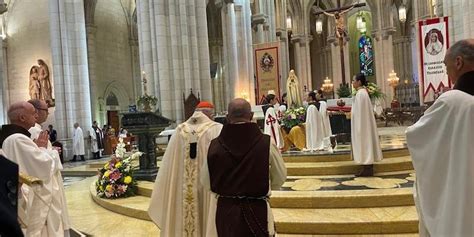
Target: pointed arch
121,94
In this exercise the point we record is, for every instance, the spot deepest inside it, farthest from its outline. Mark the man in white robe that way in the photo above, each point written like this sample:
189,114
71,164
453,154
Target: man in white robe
364,137
59,201
179,205
39,206
272,127
323,110
441,147
78,143
314,129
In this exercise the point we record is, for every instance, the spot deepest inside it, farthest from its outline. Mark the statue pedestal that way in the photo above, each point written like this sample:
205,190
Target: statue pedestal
146,126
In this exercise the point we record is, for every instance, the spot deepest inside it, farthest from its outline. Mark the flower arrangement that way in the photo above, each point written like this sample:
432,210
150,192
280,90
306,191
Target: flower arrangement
293,117
116,177
373,90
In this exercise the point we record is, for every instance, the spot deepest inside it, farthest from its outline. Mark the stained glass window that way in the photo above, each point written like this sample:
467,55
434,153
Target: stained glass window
366,55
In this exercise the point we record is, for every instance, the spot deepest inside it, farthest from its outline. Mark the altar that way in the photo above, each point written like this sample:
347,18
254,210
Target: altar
340,119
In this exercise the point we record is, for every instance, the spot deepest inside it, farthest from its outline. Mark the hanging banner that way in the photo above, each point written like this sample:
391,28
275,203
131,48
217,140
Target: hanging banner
434,42
267,70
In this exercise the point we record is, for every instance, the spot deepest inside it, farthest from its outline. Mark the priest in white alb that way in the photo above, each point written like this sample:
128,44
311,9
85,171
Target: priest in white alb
78,143
179,205
272,127
364,137
314,129
442,149
39,206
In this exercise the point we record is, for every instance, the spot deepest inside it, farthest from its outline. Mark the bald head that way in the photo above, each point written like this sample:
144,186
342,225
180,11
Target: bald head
41,108
459,59
22,114
239,110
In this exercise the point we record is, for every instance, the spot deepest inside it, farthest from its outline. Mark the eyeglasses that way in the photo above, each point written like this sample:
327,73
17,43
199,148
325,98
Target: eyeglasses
42,109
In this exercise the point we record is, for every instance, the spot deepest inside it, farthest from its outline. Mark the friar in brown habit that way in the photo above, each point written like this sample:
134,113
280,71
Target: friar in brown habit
242,164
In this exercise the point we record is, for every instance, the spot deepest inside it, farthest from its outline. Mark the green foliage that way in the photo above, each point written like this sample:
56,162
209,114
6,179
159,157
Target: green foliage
374,91
343,91
144,99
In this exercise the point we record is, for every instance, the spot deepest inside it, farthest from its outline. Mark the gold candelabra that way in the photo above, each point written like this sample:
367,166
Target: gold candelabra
393,82
327,86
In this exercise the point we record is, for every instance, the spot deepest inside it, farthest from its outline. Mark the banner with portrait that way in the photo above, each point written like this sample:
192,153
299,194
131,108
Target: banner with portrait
267,70
434,42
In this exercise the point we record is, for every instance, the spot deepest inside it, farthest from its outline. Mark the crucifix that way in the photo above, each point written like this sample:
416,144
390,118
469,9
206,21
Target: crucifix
340,30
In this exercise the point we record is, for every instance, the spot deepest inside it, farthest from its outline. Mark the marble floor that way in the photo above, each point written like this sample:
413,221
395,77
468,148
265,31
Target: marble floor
334,191
93,220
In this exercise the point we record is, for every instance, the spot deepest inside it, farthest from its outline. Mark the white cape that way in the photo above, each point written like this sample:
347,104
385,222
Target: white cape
272,127
364,137
40,206
314,129
323,109
442,150
179,205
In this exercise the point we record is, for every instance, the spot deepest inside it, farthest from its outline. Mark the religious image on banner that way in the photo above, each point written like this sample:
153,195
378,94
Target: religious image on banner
267,71
433,46
366,56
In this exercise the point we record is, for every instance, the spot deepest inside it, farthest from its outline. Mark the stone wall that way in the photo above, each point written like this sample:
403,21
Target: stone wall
461,22
113,56
28,39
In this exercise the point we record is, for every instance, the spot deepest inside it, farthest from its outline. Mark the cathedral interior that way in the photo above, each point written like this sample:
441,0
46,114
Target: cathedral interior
92,60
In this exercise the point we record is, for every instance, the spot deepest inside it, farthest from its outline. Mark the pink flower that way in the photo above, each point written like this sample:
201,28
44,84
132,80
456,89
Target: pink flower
121,189
115,175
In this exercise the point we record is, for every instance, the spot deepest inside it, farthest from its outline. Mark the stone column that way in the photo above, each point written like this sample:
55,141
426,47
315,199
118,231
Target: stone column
136,74
216,56
303,59
264,21
174,51
238,54
384,62
4,100
259,20
70,67
335,62
91,59
282,37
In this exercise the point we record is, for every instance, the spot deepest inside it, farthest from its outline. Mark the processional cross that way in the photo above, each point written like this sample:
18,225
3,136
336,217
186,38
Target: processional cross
340,30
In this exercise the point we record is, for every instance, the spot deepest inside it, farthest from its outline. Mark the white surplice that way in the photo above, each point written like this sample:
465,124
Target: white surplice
314,129
59,204
272,127
179,205
364,137
442,149
40,206
323,107
94,141
78,142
